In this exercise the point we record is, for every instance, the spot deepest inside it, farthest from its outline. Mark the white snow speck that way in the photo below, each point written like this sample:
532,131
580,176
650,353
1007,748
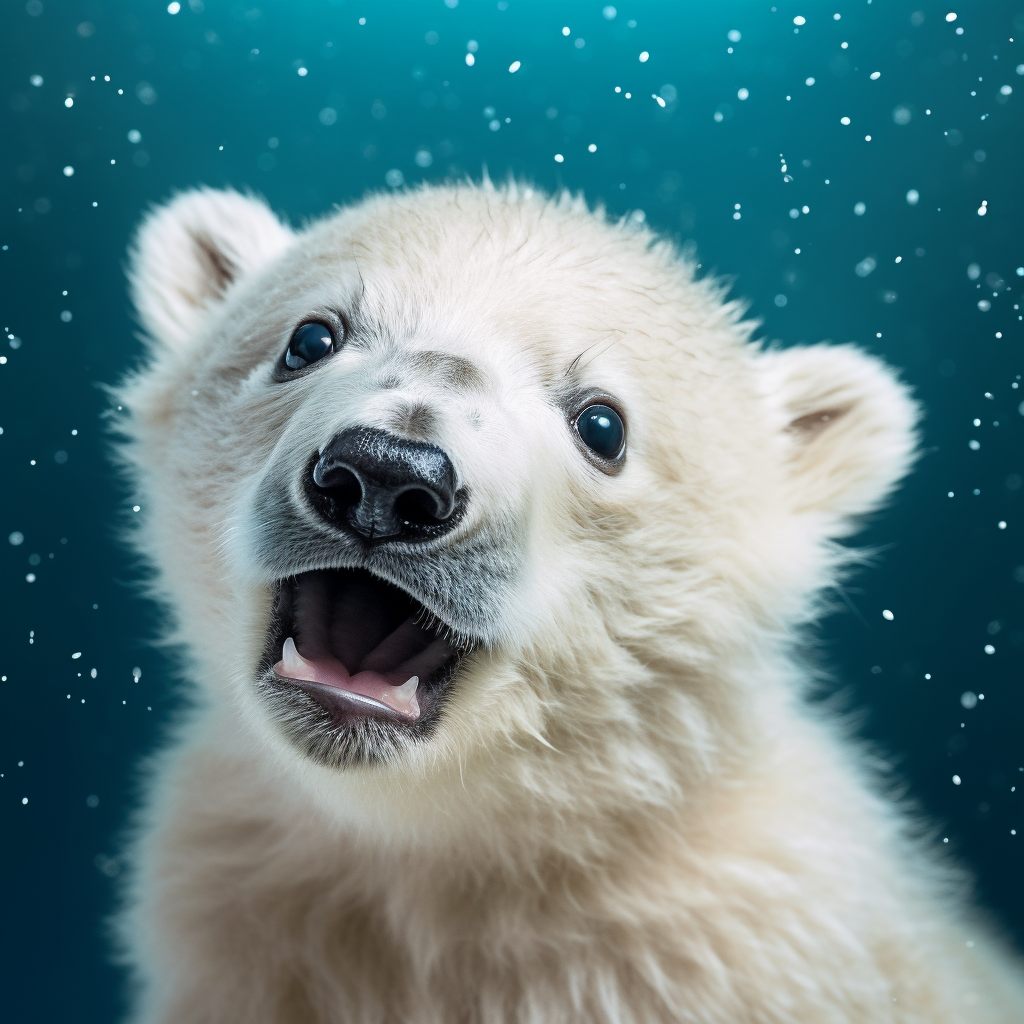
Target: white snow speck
989,649
913,196
844,120
644,57
968,700
956,780
514,66
887,615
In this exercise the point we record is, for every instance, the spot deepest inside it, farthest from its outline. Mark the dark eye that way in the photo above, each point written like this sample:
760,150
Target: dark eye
309,343
602,431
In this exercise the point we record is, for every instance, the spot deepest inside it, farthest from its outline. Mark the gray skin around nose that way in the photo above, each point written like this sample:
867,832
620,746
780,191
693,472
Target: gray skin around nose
379,486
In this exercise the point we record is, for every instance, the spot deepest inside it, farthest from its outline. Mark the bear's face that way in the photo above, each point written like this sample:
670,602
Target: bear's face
466,475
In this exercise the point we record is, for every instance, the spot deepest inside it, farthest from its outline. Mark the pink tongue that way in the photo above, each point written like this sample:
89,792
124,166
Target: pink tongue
330,672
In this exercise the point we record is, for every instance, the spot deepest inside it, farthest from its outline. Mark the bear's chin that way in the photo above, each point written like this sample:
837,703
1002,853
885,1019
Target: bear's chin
355,670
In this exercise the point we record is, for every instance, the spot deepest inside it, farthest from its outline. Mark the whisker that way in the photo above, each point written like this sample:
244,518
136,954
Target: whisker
604,343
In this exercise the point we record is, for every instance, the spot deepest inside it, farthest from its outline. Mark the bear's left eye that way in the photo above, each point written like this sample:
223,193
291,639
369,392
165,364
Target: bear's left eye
601,429
309,343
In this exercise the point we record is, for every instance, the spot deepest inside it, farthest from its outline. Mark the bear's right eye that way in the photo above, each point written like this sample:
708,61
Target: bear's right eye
309,343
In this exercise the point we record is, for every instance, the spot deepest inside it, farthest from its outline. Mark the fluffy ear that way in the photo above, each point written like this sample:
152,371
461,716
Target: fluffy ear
188,253
848,426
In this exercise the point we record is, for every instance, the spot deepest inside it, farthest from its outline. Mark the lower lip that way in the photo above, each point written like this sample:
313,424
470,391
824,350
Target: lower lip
344,707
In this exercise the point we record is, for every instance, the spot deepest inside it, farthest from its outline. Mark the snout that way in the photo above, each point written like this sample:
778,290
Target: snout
381,487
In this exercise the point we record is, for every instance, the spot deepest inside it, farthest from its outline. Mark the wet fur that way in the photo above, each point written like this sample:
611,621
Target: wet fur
627,812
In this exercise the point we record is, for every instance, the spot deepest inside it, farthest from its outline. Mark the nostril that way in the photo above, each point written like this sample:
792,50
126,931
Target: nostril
419,507
339,483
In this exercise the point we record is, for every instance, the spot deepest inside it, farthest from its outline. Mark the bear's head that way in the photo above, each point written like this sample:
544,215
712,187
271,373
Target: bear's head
469,496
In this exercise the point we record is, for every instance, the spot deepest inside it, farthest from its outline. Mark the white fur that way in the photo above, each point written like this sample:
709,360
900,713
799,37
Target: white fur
628,814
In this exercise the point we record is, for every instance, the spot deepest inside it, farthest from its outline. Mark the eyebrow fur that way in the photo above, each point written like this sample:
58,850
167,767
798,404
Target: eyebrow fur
605,344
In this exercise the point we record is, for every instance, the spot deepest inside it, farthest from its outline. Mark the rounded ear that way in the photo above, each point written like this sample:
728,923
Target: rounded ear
848,426
189,252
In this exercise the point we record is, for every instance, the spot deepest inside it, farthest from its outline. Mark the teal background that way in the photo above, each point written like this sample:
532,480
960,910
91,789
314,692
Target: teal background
218,97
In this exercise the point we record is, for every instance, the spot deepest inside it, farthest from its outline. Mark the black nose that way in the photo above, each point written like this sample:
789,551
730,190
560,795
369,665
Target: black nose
384,487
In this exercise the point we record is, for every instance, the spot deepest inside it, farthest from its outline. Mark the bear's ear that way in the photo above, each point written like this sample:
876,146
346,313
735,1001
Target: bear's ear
848,428
188,253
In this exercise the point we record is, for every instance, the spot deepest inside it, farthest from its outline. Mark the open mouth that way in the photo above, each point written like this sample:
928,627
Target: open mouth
352,659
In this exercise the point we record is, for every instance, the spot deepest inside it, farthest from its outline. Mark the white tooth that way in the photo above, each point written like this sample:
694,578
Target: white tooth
406,694
408,688
291,661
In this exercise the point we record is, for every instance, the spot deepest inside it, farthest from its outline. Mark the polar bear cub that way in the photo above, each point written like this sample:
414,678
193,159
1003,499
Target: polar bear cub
489,533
